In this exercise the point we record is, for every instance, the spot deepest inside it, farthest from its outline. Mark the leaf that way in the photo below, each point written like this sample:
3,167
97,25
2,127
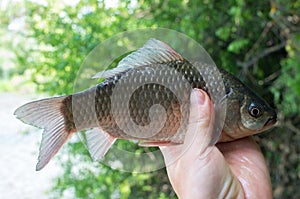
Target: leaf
223,33
237,45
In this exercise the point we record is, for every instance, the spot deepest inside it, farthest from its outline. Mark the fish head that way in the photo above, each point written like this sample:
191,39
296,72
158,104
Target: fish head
247,113
256,114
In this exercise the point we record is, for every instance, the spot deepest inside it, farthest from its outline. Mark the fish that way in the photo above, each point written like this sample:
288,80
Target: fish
145,98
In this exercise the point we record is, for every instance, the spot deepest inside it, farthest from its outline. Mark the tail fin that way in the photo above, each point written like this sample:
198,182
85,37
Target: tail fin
46,114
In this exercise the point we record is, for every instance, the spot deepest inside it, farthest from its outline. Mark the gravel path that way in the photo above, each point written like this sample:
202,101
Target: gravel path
18,154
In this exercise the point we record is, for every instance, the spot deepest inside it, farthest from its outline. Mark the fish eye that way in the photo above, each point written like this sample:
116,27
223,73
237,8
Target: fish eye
255,111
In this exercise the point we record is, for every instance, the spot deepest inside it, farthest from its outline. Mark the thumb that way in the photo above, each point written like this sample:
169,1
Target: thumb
200,107
199,130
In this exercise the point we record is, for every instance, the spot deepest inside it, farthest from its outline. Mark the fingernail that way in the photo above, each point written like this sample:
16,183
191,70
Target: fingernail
198,97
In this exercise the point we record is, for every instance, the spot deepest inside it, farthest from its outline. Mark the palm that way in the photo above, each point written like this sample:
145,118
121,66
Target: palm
248,165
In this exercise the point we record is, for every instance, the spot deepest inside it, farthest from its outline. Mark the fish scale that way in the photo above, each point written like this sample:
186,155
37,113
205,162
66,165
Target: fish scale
140,103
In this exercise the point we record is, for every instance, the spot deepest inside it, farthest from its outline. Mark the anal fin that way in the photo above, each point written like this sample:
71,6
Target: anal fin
98,142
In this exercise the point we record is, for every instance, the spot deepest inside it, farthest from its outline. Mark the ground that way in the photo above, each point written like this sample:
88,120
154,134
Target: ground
18,154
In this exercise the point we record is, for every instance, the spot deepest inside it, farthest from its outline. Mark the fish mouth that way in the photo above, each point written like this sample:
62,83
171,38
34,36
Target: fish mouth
271,121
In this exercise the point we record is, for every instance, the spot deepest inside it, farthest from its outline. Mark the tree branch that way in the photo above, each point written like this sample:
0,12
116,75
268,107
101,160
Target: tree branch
262,54
290,126
259,40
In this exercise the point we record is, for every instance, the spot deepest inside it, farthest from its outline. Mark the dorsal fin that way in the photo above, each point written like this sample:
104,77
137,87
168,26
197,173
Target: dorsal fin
153,52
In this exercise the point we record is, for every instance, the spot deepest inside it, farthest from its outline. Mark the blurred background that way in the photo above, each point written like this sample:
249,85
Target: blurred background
43,43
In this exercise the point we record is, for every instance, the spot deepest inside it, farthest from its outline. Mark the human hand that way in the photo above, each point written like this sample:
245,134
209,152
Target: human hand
235,169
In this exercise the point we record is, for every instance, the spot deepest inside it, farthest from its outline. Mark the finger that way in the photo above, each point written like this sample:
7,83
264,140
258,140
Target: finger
197,137
200,107
248,165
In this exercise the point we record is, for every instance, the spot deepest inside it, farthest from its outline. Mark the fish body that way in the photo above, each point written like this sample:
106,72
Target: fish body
141,100
145,98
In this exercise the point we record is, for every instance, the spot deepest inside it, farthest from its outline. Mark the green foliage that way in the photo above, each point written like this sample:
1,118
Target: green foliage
286,88
258,40
87,179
